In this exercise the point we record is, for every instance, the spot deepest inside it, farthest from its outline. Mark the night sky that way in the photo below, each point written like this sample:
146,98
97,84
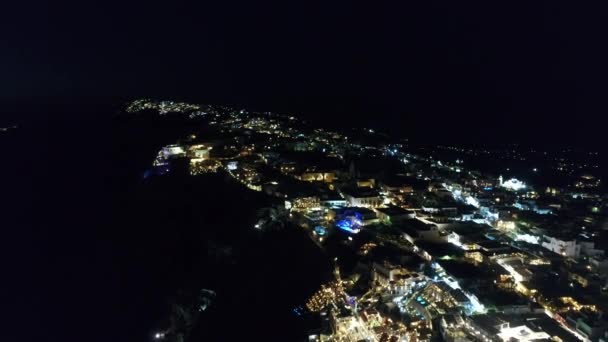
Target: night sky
468,69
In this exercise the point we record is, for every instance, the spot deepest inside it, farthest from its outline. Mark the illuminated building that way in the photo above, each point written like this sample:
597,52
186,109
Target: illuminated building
579,279
349,327
328,177
486,326
386,273
526,288
232,165
531,205
585,320
394,214
334,202
200,161
287,167
452,298
445,209
306,203
587,182
173,151
198,166
350,223
529,238
366,183
513,184
314,218
552,191
516,268
362,198
415,229
475,256
200,152
569,248
522,333
364,216
506,226
452,328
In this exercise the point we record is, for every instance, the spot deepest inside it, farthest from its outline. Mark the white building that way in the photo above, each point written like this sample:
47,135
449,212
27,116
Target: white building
522,333
336,202
569,248
173,150
512,184
588,249
200,151
363,198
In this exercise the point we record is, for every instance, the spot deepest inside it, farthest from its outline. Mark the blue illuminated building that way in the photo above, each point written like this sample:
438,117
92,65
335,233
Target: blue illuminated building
351,223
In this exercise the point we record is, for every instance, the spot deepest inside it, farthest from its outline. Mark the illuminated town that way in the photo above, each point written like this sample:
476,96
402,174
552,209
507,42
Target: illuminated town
424,246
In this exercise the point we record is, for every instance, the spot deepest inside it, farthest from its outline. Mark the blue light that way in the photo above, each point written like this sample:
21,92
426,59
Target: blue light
347,225
344,224
320,230
350,223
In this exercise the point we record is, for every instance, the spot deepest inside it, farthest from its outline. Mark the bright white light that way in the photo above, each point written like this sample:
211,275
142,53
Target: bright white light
522,333
528,238
455,240
472,201
232,165
451,282
514,184
476,304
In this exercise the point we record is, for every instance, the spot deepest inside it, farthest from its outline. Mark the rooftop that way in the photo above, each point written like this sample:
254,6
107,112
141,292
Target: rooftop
360,192
394,211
